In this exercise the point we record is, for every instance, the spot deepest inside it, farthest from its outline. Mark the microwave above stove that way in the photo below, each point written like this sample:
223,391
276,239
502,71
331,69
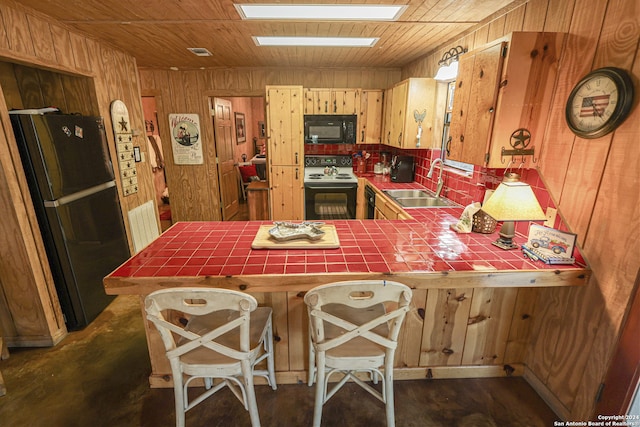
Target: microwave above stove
329,129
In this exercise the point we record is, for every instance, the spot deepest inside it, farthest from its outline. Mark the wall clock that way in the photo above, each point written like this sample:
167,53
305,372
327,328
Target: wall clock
599,103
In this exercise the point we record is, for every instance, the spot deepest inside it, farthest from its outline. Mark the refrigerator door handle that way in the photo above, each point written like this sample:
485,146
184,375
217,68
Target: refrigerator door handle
79,195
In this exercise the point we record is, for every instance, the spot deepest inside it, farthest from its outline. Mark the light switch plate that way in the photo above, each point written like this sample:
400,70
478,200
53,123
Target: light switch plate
551,217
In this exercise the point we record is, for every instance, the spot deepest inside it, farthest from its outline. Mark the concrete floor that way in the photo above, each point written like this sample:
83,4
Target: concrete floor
99,377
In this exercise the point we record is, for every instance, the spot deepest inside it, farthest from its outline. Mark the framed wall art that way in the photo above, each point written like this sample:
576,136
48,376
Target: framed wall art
241,128
185,141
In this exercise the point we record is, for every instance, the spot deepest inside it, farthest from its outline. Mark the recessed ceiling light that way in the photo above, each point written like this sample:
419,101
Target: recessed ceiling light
352,12
315,41
200,51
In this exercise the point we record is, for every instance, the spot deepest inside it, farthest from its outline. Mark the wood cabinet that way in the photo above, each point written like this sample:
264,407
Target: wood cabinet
258,200
370,116
285,151
332,101
386,116
403,102
502,87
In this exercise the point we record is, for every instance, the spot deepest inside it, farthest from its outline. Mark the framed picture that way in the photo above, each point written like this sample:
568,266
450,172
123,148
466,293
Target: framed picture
185,141
241,128
550,245
262,130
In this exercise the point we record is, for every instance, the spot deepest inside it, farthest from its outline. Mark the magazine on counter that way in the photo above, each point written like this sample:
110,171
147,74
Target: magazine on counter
549,245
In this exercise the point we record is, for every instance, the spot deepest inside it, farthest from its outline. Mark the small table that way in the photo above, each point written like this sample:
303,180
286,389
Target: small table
258,200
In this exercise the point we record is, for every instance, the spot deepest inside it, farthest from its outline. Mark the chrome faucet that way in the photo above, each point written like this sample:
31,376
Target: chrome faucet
440,182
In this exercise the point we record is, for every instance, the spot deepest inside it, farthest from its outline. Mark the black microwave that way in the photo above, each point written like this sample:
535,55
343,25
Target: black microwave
329,129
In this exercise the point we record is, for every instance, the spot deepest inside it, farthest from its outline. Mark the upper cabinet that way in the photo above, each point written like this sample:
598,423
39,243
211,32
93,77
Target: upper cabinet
502,98
409,114
332,101
370,117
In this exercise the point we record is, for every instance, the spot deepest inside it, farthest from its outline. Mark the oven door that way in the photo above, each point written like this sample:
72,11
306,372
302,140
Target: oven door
330,201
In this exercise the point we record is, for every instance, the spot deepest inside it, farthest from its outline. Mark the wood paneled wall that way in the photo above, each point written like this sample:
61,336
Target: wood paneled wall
595,184
194,188
43,63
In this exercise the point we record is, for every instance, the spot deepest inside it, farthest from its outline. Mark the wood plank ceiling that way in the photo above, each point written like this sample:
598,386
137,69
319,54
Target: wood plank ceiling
158,32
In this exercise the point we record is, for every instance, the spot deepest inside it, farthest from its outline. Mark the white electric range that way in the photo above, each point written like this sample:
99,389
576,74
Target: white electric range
330,187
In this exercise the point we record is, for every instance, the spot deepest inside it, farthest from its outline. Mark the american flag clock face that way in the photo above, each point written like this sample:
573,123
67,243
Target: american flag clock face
599,103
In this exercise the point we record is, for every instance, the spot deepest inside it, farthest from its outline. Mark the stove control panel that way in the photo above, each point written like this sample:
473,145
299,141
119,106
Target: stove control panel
322,161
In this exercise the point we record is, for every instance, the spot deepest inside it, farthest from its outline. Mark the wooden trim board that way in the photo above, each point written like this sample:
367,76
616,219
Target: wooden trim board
400,374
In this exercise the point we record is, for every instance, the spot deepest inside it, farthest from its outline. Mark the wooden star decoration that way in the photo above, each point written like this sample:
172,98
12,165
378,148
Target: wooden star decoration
123,125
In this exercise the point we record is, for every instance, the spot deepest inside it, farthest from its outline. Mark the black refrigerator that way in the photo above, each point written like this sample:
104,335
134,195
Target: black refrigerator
73,188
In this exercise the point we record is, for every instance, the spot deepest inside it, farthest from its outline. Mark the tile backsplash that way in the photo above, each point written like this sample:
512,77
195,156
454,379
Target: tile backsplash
462,187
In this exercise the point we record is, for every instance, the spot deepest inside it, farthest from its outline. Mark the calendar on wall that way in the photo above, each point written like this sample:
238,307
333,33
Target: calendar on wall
124,147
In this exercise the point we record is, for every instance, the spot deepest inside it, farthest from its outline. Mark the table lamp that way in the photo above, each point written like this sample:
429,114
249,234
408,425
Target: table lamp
512,201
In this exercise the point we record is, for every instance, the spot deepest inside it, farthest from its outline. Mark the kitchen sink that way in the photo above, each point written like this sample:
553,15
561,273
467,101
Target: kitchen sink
423,202
396,194
418,199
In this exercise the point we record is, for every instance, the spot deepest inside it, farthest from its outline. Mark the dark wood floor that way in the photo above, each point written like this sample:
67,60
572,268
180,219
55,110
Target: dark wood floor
243,212
99,377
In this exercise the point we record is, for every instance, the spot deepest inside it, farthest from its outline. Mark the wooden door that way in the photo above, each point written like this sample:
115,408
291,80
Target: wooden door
420,99
227,174
398,113
474,104
287,193
318,101
386,116
460,107
309,101
370,117
345,101
285,125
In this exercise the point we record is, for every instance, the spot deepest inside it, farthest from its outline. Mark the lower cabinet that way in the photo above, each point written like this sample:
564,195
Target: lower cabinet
287,193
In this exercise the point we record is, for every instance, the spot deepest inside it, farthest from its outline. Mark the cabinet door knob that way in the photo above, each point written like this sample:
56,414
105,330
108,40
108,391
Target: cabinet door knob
448,146
491,110
461,138
362,140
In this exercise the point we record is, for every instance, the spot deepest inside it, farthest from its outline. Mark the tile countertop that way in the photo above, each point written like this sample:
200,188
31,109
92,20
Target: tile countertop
417,250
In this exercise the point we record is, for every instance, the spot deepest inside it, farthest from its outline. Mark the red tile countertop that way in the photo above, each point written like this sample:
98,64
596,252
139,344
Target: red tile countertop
213,253
424,244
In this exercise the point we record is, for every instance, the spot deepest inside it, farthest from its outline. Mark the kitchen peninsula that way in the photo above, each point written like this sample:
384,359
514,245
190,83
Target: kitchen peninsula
472,304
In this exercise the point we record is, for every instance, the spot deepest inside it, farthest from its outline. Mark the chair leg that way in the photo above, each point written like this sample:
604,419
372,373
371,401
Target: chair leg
270,358
178,391
389,402
252,404
312,364
320,389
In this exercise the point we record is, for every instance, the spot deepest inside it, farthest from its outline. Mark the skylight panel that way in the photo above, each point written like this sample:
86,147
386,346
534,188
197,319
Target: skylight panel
315,41
348,12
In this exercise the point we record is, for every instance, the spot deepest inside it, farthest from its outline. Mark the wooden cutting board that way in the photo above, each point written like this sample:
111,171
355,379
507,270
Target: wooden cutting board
263,240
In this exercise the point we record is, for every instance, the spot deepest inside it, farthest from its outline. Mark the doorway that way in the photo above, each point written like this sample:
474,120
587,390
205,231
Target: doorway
239,137
156,160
